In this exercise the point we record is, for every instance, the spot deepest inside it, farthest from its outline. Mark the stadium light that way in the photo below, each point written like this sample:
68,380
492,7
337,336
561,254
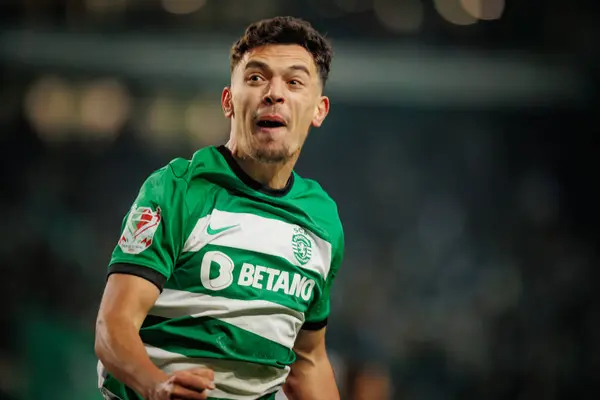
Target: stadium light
484,9
399,15
181,7
104,109
204,122
453,12
161,122
50,105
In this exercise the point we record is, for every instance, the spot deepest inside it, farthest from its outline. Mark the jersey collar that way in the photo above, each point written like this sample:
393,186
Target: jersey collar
249,181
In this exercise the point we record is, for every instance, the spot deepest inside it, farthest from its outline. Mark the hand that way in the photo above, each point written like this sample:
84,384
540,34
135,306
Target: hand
188,384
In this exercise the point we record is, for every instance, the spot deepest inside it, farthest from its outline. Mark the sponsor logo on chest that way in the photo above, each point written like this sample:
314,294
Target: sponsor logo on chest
258,235
256,276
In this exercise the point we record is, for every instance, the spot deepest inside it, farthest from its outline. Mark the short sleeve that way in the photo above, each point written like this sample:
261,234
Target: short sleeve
152,230
316,317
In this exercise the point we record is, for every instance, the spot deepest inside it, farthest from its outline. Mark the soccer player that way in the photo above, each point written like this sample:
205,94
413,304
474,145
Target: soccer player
219,285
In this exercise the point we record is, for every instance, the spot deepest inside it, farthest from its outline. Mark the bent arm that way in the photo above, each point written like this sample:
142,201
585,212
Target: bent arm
125,304
311,376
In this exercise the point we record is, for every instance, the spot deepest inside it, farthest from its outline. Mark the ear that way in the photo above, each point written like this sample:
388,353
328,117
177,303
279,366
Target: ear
321,112
227,102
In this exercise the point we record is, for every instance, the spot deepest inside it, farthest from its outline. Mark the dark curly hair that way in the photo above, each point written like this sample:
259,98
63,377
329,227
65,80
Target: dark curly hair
285,30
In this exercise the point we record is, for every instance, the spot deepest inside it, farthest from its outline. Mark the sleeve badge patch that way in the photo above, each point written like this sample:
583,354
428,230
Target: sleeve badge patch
140,228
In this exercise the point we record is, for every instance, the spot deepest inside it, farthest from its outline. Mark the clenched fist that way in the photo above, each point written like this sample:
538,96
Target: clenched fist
188,384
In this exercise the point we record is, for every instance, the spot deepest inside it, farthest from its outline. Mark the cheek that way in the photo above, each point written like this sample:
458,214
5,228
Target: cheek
245,103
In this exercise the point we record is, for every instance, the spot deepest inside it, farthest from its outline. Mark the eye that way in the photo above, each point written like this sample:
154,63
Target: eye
255,78
295,82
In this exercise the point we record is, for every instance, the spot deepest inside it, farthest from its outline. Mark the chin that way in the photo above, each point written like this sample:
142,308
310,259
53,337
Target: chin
272,153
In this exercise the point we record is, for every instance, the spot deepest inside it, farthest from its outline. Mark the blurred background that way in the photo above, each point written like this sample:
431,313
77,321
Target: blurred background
460,148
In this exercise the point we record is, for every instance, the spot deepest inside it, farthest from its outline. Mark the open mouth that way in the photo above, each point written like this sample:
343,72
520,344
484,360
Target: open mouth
271,123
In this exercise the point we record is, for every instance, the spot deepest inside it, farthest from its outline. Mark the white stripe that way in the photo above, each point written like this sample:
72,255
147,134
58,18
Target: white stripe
264,318
101,374
258,234
234,380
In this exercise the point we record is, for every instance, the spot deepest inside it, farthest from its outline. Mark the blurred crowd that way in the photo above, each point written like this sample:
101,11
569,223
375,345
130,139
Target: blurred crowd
471,232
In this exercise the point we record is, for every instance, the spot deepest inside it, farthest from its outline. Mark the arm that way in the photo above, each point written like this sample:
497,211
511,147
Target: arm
125,303
143,260
311,376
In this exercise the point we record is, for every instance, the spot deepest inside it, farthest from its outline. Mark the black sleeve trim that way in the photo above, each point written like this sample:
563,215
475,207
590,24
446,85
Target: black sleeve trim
147,273
314,326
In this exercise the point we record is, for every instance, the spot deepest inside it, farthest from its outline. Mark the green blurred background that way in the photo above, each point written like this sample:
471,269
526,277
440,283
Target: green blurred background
460,149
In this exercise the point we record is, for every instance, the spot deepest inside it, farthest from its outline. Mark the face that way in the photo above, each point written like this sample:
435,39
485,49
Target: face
274,99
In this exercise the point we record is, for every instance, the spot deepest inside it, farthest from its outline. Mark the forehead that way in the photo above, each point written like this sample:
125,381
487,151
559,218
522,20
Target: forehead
278,56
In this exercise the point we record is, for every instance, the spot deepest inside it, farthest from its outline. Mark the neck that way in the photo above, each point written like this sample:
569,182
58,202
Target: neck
273,175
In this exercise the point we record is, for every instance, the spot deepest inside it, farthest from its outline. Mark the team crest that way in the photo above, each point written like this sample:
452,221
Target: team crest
301,245
139,230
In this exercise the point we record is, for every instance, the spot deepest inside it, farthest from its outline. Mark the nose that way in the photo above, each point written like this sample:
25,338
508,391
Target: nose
274,94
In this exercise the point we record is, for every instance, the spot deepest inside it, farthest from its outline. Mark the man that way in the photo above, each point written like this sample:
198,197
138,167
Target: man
219,285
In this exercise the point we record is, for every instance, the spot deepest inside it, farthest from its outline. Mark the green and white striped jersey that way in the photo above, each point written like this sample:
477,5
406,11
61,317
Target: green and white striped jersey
241,268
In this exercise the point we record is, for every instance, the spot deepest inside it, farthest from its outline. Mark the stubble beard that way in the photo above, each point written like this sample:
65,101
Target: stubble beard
266,152
270,156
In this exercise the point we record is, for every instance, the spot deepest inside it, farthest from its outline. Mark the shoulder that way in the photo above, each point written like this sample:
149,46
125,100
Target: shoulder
181,172
172,182
186,169
323,209
166,179
320,199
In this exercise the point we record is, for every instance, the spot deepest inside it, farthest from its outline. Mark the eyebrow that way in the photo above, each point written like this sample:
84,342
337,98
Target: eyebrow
301,68
254,64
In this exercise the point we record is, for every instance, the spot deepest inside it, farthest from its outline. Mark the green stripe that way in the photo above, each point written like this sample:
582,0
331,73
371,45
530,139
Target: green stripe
207,337
188,277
